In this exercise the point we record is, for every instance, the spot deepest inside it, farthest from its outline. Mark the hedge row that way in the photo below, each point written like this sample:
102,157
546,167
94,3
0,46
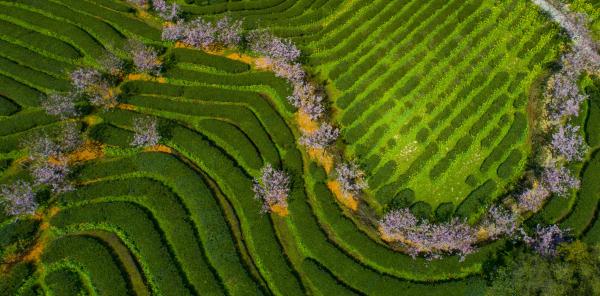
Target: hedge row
22,94
513,135
232,118
77,37
270,118
214,235
171,216
34,60
40,42
260,235
95,257
32,77
7,107
65,282
185,55
142,229
95,26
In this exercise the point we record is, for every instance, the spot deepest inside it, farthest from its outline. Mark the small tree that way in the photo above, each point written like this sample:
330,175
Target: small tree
229,33
322,138
559,180
272,188
545,239
532,199
568,143
111,64
18,198
61,105
53,174
200,33
145,58
85,79
145,132
174,32
351,178
266,43
166,11
500,221
41,146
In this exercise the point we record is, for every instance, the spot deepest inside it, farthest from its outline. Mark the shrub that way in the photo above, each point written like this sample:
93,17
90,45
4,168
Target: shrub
61,105
272,188
568,143
350,177
18,198
145,132
322,138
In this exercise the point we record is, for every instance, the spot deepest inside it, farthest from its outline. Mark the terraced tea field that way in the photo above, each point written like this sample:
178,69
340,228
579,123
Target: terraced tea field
434,99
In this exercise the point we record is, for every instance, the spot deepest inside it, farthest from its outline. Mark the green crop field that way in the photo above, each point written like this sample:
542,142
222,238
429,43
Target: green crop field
438,102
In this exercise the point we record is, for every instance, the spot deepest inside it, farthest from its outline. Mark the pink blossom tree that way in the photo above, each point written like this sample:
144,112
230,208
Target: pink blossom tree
322,138
558,180
229,32
350,177
18,198
168,12
145,132
53,174
268,44
272,188
545,239
61,105
568,143
145,58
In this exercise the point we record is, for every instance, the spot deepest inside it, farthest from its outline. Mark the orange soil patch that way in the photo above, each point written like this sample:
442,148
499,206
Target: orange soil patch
88,151
161,80
92,120
126,106
280,210
159,148
138,76
305,123
180,44
36,251
346,199
322,157
482,234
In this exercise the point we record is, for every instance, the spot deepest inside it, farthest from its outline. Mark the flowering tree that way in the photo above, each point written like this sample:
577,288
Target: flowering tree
18,198
61,105
350,177
500,221
229,32
70,139
272,188
145,132
166,11
564,95
567,142
266,43
545,239
145,58
174,32
423,237
111,64
322,138
138,2
559,180
41,147
53,174
532,199
290,71
200,33
83,79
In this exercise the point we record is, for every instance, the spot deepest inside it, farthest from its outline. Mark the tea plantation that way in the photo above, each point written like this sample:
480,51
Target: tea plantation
437,101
